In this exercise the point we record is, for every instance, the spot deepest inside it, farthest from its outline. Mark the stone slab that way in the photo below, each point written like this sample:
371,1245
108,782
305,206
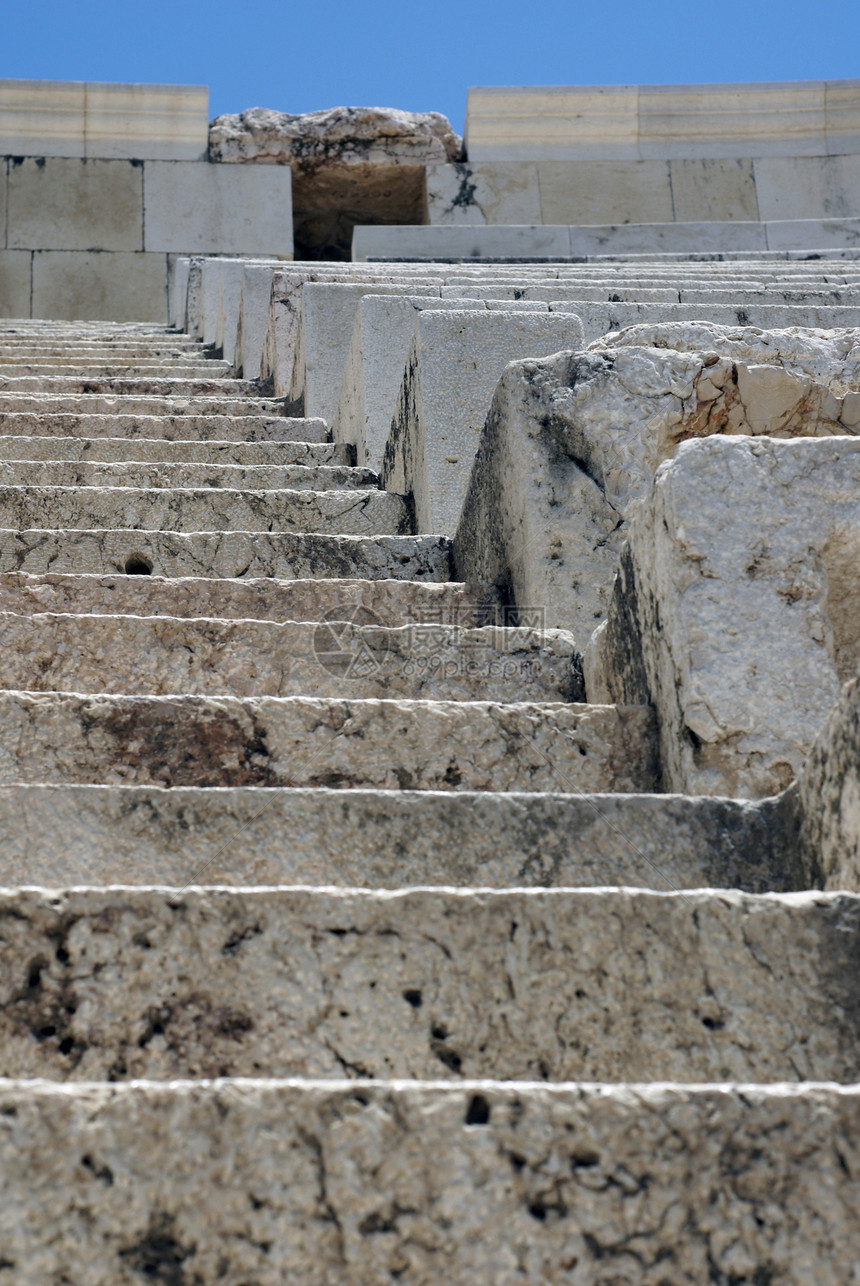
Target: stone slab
68,739
358,513
828,797
194,421
428,984
601,192
158,655
379,602
88,285
160,451
15,283
42,118
483,192
158,474
758,617
716,188
552,123
57,203
453,242
133,835
219,209
365,1181
284,555
454,363
808,187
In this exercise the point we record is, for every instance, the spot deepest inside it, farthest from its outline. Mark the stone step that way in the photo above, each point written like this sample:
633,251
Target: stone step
22,350
474,1182
213,452
363,602
132,835
526,984
73,739
360,513
133,386
148,475
231,554
113,404
90,372
159,655
173,427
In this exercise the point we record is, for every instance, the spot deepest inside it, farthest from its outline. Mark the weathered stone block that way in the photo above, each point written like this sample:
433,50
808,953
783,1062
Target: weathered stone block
724,188
736,609
63,204
828,792
808,187
454,362
15,283
483,192
219,209
605,192
79,284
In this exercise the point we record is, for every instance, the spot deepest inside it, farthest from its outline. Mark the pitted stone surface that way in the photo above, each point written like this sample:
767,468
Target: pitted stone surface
147,476
829,796
432,983
159,655
347,135
303,741
177,426
361,1182
110,450
286,555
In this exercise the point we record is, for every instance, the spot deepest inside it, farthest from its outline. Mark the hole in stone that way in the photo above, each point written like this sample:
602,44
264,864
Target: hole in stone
67,1044
584,1160
413,998
137,565
478,1111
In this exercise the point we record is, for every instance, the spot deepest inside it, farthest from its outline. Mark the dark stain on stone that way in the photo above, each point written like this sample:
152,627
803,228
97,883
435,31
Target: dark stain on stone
159,1256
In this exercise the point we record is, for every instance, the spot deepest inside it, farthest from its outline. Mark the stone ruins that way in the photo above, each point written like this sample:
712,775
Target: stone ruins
429,705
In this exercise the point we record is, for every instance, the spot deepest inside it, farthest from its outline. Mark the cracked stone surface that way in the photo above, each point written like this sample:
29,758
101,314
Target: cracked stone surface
67,835
285,555
178,431
429,983
108,450
572,444
230,403
636,1185
157,655
145,476
829,795
380,602
745,552
359,513
303,741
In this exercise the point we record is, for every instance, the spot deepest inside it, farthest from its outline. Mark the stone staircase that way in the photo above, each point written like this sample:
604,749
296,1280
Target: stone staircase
410,975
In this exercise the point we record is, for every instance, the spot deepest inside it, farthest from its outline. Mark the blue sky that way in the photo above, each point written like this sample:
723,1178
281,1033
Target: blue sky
297,55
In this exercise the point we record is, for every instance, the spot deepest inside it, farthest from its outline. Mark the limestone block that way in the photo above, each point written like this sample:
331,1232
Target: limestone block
349,743
808,187
374,368
109,285
747,548
192,311
230,309
284,555
552,123
813,234
169,453
450,242
15,283
776,119
131,471
828,792
671,238
177,285
163,122
720,188
483,192
571,445
454,363
605,192
209,428
57,203
253,319
197,206
346,135
323,337
621,1179
138,835
842,115
157,655
360,513
42,118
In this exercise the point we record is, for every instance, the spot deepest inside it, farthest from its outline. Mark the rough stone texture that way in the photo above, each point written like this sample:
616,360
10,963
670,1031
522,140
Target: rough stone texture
147,476
381,602
572,443
230,554
132,406
636,1185
158,655
301,741
192,427
454,362
133,835
358,513
828,794
350,165
428,983
745,551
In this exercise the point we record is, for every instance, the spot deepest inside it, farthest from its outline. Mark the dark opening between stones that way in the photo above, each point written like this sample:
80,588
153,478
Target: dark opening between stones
478,1111
137,565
